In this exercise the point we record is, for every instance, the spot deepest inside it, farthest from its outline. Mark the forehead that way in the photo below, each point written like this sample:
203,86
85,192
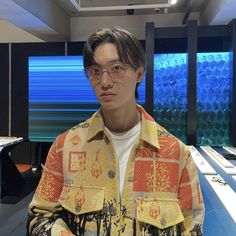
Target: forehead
105,53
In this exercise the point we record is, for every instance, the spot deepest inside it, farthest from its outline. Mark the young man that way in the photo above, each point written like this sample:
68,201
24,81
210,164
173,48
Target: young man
119,172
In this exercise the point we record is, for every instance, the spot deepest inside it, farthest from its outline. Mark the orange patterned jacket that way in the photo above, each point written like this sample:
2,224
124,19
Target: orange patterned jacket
79,194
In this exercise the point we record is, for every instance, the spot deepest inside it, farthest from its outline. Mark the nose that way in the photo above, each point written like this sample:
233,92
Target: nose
106,80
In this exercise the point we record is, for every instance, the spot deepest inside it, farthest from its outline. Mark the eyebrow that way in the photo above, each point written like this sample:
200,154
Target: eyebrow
110,62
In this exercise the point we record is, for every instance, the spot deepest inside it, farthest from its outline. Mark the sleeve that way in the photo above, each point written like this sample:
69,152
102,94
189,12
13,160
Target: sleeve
46,217
190,196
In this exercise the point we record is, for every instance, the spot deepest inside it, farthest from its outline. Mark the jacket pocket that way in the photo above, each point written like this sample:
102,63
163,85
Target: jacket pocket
80,200
160,212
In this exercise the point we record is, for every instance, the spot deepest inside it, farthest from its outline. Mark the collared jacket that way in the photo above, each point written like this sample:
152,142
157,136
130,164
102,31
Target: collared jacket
79,194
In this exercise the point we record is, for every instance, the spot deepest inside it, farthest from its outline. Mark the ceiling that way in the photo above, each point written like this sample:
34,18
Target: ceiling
145,7
52,20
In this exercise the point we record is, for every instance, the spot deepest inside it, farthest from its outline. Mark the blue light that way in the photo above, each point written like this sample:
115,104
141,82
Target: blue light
60,95
213,99
170,93
213,96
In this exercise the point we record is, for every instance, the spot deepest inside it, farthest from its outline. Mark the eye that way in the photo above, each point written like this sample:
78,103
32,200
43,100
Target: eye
94,70
117,68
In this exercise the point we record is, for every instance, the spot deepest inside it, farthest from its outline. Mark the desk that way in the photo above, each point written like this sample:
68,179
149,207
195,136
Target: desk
217,220
10,178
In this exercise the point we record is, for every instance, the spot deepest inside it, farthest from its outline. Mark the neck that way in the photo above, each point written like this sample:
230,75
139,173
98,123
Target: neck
121,120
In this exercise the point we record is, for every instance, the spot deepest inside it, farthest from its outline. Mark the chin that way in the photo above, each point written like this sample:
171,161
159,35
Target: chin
108,105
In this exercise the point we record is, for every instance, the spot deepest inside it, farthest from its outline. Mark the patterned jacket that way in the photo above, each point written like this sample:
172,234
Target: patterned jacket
78,193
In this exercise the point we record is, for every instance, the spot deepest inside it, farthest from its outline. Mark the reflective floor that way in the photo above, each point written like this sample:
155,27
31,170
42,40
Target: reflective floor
13,209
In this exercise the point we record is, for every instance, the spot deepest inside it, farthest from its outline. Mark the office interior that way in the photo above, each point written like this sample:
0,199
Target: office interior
189,88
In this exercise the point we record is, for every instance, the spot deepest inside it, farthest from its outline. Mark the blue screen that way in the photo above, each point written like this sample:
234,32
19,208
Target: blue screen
60,96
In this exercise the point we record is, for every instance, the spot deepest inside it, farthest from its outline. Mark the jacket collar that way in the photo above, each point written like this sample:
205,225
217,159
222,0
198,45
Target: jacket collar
96,125
148,127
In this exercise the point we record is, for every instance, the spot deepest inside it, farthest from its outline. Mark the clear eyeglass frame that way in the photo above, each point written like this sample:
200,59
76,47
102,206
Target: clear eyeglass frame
115,70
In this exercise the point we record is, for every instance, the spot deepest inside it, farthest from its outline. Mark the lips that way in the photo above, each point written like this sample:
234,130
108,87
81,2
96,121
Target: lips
107,96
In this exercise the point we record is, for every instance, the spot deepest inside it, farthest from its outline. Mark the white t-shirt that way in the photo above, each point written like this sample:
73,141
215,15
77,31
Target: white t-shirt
123,144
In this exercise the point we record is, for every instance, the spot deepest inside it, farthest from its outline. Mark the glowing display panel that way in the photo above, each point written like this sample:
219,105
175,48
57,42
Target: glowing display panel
213,99
170,93
60,96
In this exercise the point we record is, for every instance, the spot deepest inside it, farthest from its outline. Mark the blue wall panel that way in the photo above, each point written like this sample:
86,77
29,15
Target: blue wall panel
170,93
213,99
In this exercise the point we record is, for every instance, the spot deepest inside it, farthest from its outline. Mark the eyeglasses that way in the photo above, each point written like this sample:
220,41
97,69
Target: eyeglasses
115,70
219,180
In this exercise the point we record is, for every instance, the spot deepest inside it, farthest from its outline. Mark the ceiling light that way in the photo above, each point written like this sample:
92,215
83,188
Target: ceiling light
75,4
79,6
173,2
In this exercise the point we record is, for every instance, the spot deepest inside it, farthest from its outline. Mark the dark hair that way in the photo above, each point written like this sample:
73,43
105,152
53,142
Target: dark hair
129,49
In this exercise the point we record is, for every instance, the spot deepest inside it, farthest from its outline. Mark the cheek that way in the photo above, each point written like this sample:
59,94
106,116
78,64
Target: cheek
130,85
127,88
127,91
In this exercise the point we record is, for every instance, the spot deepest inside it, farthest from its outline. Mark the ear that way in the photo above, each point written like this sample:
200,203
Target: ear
140,73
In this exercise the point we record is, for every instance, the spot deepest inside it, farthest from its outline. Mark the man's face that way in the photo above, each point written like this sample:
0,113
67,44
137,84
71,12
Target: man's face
116,83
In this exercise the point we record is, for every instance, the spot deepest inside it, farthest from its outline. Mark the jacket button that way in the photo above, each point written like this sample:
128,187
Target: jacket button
113,211
78,208
111,174
163,222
